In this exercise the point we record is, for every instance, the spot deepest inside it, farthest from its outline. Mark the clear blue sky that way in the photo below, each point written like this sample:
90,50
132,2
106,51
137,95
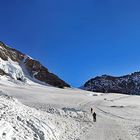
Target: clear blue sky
75,39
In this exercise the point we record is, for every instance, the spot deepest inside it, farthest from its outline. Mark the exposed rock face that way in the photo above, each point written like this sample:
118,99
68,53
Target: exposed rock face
34,68
3,73
128,84
42,74
13,54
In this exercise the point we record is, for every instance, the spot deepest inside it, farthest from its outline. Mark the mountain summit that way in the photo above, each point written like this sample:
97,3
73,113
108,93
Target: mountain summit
128,84
18,66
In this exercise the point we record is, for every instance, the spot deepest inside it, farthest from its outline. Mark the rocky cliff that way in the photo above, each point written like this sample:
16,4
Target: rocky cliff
128,84
15,64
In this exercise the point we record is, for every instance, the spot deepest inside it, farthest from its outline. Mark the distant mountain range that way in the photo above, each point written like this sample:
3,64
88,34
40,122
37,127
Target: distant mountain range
128,84
18,66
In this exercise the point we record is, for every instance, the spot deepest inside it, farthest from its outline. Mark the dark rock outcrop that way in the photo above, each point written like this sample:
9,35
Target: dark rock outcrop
13,54
128,84
37,70
3,73
34,68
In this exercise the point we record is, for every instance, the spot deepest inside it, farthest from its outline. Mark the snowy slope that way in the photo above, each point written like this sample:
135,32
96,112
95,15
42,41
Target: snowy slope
24,123
39,112
13,69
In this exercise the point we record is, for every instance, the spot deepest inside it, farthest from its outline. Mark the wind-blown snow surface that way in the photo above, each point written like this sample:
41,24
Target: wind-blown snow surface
37,112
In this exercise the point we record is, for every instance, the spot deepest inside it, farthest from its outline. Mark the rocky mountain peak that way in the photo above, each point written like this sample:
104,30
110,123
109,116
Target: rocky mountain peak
7,52
13,63
129,84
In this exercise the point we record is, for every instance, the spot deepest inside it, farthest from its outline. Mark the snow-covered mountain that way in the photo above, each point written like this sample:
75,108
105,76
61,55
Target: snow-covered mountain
33,111
129,84
17,66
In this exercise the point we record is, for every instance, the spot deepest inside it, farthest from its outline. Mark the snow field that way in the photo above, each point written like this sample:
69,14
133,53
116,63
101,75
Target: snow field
19,122
44,113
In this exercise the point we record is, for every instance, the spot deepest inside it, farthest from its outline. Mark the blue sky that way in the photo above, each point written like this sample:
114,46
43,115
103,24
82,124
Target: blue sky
75,39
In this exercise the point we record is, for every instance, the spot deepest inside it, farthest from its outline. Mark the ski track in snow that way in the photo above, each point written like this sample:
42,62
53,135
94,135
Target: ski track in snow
106,127
37,112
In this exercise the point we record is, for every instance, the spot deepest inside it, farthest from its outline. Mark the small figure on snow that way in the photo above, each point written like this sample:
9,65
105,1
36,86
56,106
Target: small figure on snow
94,117
91,110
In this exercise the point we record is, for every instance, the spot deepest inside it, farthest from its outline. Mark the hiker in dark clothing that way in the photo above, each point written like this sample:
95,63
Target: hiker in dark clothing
91,110
94,117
